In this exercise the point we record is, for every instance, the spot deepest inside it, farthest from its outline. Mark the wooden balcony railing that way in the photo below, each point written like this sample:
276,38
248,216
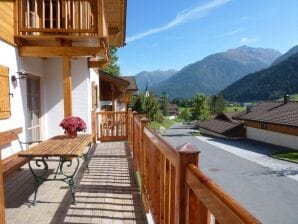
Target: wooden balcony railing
173,187
63,17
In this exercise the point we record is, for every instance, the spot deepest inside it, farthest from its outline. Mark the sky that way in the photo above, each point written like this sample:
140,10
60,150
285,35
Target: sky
170,34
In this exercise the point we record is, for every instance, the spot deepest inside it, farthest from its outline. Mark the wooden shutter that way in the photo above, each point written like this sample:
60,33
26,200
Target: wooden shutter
94,96
4,93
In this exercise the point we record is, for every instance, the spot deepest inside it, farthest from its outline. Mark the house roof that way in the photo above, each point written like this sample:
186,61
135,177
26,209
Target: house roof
272,112
218,126
228,116
119,82
132,82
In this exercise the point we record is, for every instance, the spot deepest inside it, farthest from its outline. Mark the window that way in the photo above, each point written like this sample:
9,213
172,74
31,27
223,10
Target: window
4,93
33,107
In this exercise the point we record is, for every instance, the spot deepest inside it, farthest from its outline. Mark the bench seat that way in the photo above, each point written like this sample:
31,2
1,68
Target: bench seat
12,164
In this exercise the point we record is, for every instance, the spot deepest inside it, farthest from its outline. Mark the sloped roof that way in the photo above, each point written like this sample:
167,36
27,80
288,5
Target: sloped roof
219,126
132,82
121,83
272,112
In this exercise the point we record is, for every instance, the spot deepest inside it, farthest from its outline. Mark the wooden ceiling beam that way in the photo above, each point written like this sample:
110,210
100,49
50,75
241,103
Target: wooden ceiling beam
41,51
98,64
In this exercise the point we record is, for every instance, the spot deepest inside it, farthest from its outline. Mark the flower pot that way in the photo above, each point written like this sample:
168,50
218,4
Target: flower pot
70,134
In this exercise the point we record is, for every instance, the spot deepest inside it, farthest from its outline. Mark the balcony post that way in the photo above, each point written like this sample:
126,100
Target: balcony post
67,86
134,114
2,204
188,154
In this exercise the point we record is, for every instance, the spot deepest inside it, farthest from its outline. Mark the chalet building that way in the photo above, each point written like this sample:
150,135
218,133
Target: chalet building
50,52
272,122
173,110
223,125
116,92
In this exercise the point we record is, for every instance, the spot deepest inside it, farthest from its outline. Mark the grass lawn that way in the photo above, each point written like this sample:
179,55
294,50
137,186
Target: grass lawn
291,156
233,109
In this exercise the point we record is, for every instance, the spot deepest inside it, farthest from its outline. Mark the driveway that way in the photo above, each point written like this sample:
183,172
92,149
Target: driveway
235,165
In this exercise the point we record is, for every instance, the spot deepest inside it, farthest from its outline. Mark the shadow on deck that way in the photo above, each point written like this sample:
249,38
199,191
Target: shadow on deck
107,194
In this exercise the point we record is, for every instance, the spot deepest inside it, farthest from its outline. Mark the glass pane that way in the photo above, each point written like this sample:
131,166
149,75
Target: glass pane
34,134
33,103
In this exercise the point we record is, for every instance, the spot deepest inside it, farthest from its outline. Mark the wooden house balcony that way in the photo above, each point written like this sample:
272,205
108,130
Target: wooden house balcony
48,28
127,180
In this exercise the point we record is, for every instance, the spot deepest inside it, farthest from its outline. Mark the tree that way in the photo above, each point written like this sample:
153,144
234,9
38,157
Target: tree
217,104
165,104
200,110
113,67
185,114
147,105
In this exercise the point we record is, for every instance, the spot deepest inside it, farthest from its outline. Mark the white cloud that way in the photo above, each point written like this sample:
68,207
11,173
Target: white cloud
182,17
247,40
230,33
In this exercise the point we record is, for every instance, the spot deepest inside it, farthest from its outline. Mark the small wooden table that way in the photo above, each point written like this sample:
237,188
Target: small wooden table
67,150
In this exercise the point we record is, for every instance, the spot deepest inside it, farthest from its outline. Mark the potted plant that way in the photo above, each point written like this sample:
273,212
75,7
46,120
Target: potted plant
72,125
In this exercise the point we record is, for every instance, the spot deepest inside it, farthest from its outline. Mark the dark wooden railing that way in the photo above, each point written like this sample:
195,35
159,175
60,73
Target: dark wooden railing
173,187
64,17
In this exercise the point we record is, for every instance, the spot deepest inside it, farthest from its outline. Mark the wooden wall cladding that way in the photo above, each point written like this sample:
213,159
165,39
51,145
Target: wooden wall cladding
7,21
284,129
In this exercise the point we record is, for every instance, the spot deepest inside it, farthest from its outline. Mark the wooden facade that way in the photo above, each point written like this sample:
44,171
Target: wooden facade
279,128
66,29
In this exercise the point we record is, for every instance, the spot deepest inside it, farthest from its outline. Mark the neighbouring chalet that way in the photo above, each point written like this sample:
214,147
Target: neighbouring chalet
272,122
173,110
50,52
223,125
116,92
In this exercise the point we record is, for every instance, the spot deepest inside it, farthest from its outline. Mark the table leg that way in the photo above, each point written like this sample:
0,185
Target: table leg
40,177
85,157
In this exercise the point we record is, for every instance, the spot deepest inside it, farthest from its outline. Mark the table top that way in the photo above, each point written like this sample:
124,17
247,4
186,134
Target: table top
59,146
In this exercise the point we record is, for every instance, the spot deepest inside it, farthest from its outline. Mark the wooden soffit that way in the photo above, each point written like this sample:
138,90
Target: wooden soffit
119,83
115,11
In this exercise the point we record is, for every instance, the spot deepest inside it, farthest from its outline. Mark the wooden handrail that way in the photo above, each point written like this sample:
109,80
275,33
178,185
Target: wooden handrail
220,204
173,187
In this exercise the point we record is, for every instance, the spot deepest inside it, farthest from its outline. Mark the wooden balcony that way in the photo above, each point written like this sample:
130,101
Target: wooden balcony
171,187
75,26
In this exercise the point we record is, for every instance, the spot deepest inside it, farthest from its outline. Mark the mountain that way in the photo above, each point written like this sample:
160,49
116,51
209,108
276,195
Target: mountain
268,84
289,53
152,78
217,71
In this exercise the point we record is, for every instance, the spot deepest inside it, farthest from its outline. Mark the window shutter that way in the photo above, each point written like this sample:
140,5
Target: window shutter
4,93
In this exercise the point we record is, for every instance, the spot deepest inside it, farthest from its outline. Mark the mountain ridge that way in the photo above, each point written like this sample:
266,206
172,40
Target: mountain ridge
215,72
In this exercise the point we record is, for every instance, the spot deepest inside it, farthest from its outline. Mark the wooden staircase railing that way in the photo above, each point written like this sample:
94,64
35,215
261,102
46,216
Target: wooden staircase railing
173,188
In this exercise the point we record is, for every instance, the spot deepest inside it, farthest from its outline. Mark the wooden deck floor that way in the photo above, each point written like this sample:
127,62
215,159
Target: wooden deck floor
107,194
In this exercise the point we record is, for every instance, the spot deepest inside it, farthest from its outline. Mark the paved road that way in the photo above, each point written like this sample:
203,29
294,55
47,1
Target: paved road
269,195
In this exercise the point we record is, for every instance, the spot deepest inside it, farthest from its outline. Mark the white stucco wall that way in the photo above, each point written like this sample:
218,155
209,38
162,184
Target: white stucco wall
52,106
18,102
272,137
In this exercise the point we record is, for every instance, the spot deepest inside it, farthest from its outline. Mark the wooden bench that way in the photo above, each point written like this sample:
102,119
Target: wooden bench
13,162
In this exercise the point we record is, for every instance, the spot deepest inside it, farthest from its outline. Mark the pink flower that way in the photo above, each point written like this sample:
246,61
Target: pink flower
73,124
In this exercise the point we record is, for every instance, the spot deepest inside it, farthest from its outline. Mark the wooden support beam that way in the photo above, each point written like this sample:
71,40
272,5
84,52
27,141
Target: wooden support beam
98,64
2,204
67,86
41,51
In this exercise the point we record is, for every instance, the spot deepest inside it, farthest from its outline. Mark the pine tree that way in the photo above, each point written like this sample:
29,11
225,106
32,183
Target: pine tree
113,67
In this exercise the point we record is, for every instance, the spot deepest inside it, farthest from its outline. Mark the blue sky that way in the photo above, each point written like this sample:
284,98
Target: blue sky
169,34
